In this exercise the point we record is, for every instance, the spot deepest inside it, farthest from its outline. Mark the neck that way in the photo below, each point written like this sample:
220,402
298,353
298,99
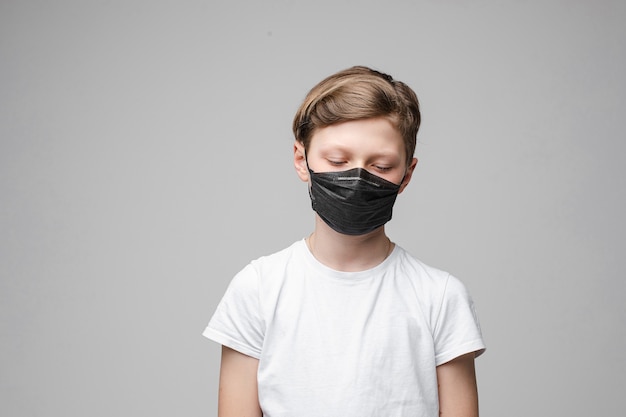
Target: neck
348,253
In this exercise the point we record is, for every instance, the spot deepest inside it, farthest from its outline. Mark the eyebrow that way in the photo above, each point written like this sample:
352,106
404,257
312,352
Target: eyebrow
339,148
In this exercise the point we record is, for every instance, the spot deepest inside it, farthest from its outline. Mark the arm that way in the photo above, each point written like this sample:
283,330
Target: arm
458,394
238,394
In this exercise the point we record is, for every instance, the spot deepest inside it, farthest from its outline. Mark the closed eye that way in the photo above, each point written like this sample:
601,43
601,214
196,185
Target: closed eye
335,162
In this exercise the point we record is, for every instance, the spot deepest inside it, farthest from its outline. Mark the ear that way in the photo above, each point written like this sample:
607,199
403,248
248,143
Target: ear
409,174
299,161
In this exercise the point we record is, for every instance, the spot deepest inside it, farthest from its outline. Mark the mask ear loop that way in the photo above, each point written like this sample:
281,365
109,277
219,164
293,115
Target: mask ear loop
306,161
406,172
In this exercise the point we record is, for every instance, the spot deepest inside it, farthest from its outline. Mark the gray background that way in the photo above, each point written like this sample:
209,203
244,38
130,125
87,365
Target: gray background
145,157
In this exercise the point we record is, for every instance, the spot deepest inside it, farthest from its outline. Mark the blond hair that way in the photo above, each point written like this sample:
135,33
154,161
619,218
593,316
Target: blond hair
359,93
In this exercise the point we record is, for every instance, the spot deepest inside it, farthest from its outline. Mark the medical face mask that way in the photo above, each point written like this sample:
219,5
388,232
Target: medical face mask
352,202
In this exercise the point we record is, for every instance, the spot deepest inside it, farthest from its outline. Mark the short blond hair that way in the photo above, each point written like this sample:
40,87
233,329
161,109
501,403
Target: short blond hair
359,93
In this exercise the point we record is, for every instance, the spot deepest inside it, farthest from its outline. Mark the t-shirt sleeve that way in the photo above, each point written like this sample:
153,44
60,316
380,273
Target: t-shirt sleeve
237,322
457,330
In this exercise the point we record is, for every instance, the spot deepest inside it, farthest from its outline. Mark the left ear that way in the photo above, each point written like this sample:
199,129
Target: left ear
409,174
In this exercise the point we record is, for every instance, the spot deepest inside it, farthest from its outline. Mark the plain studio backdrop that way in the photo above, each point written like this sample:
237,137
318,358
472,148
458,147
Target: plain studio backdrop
145,158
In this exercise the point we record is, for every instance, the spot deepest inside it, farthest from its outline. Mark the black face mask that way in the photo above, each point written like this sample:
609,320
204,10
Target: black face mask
352,202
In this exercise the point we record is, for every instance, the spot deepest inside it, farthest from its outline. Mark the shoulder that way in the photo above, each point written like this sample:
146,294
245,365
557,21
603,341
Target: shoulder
278,260
268,268
433,285
419,271
258,279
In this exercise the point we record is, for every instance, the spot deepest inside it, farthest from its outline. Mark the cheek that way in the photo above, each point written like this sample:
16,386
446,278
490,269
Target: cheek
319,164
396,176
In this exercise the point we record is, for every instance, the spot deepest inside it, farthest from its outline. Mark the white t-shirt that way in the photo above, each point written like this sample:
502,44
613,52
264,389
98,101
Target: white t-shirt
346,344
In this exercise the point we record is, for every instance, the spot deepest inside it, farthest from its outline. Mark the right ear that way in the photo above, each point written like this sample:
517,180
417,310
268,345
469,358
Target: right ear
299,161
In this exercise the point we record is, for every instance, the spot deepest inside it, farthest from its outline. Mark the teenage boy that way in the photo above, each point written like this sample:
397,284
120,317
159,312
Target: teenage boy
345,323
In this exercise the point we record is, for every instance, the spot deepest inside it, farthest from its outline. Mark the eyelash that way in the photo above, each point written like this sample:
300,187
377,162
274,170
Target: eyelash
378,167
336,163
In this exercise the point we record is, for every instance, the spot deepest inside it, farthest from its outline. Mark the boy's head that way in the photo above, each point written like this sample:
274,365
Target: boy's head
359,93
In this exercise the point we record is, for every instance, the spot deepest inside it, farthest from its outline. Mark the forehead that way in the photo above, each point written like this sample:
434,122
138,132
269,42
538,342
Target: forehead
378,134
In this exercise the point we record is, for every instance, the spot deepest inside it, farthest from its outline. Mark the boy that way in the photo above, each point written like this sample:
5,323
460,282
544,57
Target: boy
345,323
